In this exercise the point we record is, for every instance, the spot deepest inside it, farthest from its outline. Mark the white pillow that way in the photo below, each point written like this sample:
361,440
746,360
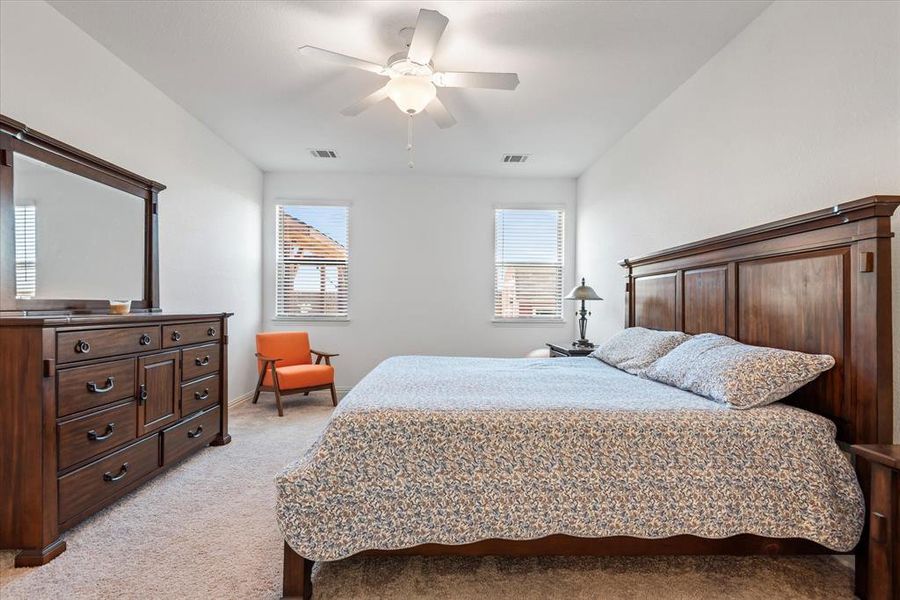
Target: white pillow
736,374
636,348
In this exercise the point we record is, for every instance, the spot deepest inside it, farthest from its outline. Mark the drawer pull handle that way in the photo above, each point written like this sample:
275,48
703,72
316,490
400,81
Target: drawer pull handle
110,384
195,433
203,396
202,362
176,336
92,435
145,340
122,472
82,347
211,332
143,395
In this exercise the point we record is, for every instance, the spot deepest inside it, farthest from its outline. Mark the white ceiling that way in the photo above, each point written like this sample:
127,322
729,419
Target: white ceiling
589,72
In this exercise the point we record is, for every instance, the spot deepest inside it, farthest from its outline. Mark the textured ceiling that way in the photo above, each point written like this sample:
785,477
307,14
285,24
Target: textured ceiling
589,72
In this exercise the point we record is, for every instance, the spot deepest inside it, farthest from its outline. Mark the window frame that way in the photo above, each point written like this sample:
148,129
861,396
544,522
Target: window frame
530,321
302,202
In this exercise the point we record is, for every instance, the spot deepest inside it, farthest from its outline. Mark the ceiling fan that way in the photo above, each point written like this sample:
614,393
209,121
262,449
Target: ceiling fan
414,80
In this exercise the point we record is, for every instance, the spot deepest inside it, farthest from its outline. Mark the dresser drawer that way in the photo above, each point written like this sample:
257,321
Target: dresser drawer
190,435
95,483
85,437
99,343
199,394
199,361
82,388
190,333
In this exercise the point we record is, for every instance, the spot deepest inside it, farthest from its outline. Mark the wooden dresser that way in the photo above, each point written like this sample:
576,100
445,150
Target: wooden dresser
93,406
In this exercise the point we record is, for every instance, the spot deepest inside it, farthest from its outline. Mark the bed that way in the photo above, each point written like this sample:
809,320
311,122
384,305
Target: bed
437,455
458,450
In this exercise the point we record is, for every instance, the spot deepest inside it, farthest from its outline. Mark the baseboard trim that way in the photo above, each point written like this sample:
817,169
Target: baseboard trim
341,392
239,399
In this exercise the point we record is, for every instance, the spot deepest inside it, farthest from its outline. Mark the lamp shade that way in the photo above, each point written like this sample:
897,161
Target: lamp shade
583,292
411,93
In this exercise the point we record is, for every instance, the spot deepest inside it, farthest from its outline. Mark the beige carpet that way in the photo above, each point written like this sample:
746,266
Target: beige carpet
206,530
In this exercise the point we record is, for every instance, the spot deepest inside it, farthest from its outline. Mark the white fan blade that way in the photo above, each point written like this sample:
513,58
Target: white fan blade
437,111
342,59
493,81
367,102
429,27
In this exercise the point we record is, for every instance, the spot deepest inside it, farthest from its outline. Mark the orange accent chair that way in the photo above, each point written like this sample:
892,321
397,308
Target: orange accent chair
286,366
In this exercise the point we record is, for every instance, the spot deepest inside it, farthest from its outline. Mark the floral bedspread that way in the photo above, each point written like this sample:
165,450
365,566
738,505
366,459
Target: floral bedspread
457,450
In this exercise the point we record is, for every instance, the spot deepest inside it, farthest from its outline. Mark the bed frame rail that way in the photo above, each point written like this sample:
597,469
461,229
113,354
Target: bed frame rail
298,570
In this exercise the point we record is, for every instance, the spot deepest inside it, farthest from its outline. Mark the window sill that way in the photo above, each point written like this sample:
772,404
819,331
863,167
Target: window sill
310,319
529,322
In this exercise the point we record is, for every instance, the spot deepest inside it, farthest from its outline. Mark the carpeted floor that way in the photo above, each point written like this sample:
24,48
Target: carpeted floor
206,529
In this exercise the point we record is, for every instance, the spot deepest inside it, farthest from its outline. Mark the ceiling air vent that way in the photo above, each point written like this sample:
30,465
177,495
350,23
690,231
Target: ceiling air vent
515,158
323,153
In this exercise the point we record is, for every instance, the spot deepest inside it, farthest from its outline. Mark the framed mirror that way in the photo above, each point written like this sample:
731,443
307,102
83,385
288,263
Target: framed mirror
75,231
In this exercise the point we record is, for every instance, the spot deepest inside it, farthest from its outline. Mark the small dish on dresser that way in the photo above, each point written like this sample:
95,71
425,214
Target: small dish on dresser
119,307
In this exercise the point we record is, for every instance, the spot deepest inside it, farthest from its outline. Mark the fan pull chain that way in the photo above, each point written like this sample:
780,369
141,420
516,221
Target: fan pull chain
409,143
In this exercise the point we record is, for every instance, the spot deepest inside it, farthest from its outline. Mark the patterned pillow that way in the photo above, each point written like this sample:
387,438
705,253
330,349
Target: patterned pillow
736,374
634,349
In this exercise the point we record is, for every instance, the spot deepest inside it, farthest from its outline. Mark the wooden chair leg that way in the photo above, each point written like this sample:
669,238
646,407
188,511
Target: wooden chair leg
333,395
259,382
278,403
297,577
275,386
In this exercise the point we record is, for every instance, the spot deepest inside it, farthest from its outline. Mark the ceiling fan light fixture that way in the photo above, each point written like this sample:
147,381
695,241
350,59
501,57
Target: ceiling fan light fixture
411,93
413,76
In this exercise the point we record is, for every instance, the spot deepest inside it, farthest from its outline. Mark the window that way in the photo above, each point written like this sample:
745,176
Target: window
312,261
26,250
528,264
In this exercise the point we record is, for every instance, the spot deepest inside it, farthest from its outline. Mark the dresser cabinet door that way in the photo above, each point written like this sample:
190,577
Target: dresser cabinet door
159,383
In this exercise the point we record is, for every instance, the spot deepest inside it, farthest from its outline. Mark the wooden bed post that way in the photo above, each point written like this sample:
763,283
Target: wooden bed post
297,582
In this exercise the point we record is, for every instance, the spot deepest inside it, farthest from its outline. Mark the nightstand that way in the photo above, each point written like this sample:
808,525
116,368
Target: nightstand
556,351
883,564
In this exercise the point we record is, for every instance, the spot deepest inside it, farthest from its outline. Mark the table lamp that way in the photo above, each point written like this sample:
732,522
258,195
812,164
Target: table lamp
584,293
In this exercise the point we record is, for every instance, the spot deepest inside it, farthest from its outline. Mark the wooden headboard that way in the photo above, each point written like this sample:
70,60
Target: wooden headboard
819,282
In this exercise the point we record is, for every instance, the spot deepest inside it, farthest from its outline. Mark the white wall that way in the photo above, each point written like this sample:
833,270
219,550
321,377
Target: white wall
799,112
57,79
421,265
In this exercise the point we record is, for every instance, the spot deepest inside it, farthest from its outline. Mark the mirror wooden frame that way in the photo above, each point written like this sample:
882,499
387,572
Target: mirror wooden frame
17,138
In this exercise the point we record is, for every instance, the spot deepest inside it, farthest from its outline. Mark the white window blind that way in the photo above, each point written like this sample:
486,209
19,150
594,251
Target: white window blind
528,264
312,261
26,250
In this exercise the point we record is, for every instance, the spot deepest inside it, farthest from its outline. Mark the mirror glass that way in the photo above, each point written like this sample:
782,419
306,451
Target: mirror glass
75,238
